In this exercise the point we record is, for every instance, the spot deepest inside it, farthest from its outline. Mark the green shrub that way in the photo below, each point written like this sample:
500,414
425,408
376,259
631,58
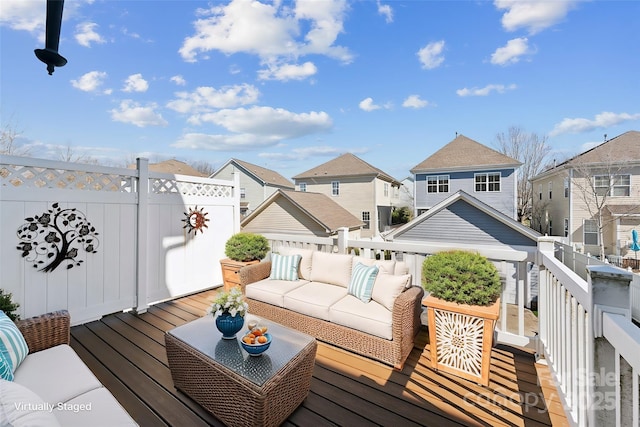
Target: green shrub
401,215
461,277
246,247
8,306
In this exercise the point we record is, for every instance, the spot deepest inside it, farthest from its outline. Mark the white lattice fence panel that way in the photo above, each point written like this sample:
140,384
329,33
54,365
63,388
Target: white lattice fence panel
40,177
172,186
459,341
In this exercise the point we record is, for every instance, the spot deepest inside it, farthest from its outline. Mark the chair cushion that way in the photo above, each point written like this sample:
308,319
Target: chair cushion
387,265
56,374
387,288
334,269
21,407
362,280
13,347
314,299
371,318
95,408
284,267
304,269
272,291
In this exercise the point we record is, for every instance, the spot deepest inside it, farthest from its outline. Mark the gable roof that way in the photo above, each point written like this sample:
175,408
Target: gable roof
346,165
319,207
264,175
463,154
173,166
481,206
623,148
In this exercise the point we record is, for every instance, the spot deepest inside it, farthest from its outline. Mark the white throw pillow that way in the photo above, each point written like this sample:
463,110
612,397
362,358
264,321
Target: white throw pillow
21,407
334,269
304,270
387,288
386,266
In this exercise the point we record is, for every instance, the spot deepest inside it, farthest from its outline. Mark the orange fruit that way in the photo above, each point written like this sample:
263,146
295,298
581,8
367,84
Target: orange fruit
262,339
246,340
257,332
264,329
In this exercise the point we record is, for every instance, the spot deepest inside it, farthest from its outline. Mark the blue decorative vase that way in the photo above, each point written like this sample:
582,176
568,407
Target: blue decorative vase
229,325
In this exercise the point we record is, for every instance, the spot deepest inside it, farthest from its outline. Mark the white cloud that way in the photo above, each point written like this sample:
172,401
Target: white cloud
368,105
511,52
206,99
23,15
255,127
135,83
136,114
386,11
484,91
288,72
90,82
308,152
431,55
534,15
270,31
86,34
414,101
179,80
602,120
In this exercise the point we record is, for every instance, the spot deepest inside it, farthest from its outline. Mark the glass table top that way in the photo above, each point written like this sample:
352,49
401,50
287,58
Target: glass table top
203,335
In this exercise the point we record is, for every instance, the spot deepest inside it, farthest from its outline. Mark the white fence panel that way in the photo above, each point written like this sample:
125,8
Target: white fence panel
635,297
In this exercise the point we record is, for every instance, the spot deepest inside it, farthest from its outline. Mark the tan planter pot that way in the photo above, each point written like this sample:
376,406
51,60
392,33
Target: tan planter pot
230,270
461,337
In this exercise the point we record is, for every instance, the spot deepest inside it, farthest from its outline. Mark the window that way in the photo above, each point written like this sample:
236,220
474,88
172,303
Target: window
303,187
616,185
550,189
590,233
386,189
566,227
243,193
335,188
566,187
366,218
438,184
487,182
540,192
550,232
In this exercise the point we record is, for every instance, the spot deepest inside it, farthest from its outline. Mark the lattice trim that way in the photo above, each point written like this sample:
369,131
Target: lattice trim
36,177
171,186
459,341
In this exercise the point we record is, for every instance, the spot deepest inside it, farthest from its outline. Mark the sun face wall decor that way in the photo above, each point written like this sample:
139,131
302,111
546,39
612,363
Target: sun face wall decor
195,220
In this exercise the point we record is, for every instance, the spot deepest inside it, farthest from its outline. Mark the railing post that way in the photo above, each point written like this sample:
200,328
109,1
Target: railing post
545,244
609,290
343,238
142,266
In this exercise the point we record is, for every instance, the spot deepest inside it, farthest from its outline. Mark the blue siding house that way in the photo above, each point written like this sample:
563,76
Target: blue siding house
465,164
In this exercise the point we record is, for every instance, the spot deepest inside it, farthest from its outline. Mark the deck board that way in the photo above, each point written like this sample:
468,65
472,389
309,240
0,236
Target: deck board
126,352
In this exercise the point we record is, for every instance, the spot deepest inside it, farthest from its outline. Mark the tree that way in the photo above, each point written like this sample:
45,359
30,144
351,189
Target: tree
598,177
8,141
531,150
69,154
204,167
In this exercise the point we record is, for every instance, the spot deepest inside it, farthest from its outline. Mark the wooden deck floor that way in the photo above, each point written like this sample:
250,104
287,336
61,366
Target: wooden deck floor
126,352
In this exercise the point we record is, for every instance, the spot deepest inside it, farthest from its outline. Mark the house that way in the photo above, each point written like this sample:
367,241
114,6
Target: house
256,183
465,222
362,189
301,213
172,166
406,192
464,164
569,197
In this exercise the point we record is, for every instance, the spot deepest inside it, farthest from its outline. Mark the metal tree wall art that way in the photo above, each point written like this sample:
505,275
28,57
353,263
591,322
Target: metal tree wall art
56,236
195,220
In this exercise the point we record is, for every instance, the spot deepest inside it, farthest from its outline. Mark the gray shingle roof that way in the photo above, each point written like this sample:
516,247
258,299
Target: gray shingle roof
267,176
346,165
172,166
463,153
622,148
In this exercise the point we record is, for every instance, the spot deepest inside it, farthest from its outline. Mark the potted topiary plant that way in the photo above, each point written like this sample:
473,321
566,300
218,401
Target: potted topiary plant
8,306
241,249
463,306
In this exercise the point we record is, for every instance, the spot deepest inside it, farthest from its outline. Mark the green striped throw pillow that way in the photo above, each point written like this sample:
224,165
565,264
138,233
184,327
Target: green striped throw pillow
12,344
5,368
284,267
362,280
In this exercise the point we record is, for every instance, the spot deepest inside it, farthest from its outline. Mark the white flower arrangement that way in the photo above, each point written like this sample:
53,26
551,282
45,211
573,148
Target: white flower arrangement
231,302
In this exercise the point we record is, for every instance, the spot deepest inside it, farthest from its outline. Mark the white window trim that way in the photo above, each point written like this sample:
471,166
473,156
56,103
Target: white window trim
303,187
584,232
439,181
486,182
335,189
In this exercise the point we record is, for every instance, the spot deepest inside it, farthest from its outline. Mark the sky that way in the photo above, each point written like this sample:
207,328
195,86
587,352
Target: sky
289,85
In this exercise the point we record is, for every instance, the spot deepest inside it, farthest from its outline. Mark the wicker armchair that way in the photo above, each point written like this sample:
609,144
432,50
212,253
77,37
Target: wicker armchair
47,330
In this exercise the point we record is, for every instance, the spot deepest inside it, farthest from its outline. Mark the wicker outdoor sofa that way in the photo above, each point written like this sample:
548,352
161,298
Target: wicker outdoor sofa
52,386
318,304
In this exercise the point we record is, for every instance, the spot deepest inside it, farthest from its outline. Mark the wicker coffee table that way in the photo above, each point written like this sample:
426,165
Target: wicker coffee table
239,389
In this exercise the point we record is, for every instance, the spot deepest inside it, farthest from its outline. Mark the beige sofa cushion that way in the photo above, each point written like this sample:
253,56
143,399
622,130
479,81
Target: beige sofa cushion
314,299
372,318
272,291
95,408
387,266
304,268
334,269
56,374
387,287
21,407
